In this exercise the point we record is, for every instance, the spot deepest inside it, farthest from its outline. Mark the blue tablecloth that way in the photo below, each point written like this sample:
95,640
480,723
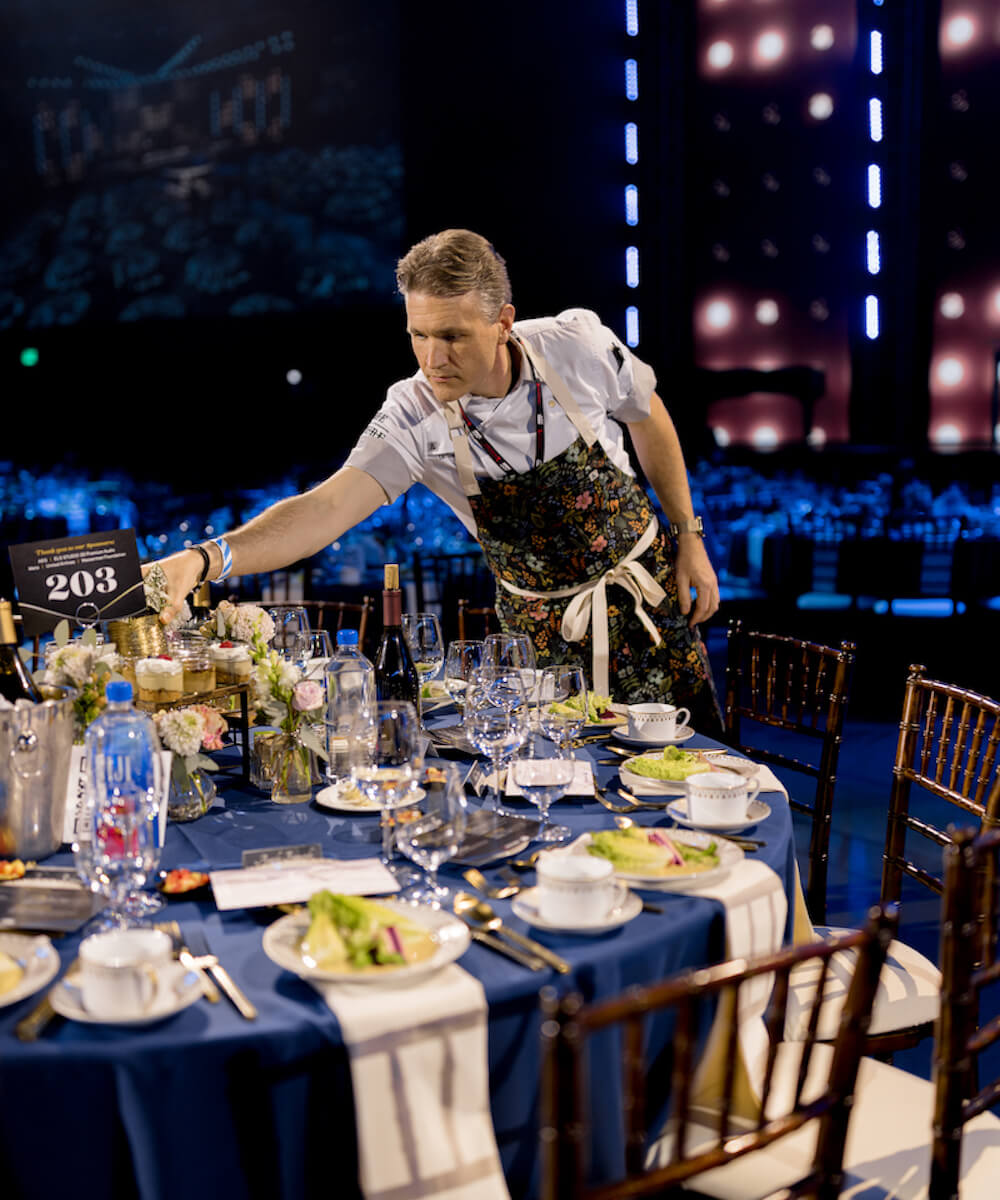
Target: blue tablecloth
207,1101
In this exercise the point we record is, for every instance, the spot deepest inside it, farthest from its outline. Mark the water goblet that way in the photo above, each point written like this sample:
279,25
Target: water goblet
495,731
562,703
544,779
422,631
386,760
291,633
435,835
461,664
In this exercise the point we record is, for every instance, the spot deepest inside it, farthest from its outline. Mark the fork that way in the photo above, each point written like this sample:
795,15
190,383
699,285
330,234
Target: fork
187,959
628,808
482,884
221,976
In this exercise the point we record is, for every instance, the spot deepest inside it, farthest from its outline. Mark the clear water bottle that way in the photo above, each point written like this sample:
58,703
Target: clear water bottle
350,694
122,753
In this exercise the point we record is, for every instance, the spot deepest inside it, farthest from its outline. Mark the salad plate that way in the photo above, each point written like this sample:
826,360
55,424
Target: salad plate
646,785
728,853
178,988
37,959
757,812
345,797
682,735
627,907
451,937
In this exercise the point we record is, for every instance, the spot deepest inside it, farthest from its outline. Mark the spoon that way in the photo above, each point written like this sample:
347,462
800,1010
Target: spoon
484,916
482,884
525,864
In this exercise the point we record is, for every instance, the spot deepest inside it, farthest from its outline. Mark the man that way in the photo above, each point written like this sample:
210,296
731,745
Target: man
518,430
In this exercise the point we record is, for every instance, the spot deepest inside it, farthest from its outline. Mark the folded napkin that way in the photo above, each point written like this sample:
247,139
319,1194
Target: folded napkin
421,1087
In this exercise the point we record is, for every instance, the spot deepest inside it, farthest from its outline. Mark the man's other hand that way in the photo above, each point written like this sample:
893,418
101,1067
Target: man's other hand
695,573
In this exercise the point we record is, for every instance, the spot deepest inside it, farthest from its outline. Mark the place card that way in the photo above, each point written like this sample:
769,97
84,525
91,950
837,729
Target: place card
294,880
266,854
582,783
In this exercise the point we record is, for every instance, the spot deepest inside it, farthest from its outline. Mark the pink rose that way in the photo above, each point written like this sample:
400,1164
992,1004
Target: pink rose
215,727
584,500
307,695
599,542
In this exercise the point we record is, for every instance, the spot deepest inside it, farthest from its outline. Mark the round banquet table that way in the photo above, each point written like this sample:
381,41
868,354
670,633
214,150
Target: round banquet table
209,1102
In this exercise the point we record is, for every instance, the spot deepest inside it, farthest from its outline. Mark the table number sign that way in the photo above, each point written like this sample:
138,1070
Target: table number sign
89,578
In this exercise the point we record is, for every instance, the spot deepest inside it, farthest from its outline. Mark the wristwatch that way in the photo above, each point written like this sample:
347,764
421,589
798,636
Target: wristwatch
695,525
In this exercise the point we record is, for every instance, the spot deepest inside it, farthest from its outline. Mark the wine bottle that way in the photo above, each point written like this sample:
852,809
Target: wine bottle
15,679
396,677
201,602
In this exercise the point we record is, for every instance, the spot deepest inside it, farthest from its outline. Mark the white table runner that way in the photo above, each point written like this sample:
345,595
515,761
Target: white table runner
421,1087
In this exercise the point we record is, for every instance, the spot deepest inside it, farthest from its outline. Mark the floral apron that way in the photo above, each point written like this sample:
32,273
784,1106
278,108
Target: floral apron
581,528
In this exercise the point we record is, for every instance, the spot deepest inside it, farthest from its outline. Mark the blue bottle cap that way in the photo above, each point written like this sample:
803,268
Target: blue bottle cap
347,637
118,690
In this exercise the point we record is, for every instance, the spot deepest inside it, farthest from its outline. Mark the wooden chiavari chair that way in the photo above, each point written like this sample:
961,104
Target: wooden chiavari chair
485,615
710,1148
799,688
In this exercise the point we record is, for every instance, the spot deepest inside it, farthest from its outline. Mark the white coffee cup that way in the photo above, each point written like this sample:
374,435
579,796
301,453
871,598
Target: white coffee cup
574,889
120,971
656,722
719,797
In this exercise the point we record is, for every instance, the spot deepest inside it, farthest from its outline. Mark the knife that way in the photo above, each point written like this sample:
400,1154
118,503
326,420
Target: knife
536,948
30,1027
196,940
532,961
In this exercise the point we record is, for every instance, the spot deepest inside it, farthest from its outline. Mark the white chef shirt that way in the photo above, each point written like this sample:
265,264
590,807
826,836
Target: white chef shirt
408,440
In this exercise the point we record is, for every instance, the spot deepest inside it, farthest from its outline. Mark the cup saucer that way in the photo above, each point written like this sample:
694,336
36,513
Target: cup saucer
627,906
178,988
623,736
756,813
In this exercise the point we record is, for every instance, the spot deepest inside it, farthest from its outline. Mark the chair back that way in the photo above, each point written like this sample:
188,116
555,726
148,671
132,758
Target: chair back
476,621
332,615
800,689
658,1077
947,745
969,966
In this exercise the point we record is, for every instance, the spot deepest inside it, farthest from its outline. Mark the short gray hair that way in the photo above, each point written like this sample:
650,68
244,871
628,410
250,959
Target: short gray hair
452,263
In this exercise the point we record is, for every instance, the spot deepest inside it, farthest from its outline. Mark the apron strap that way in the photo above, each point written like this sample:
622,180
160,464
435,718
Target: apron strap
567,401
460,445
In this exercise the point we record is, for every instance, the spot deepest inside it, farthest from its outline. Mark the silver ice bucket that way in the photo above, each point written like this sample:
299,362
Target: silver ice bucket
36,743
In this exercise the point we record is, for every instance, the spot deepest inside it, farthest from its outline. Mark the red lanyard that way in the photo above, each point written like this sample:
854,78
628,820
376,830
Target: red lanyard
477,435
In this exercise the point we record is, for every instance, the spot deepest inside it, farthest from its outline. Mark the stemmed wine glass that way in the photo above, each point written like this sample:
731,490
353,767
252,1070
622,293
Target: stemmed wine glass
115,850
559,719
461,664
292,634
434,836
422,631
386,760
495,730
544,779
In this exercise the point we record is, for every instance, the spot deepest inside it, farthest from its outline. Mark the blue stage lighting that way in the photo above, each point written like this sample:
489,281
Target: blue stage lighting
632,325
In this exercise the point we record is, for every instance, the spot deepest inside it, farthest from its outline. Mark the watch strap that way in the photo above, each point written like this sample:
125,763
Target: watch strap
693,525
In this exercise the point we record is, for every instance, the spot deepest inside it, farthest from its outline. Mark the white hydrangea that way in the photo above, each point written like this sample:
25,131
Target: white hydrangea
289,676
72,664
181,730
249,620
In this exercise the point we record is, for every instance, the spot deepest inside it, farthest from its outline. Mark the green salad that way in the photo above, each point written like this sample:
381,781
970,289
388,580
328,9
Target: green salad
672,764
598,708
351,933
637,851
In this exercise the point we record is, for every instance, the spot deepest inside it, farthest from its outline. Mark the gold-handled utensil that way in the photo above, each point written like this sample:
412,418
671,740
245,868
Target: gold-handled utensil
196,940
187,959
479,881
469,907
29,1028
525,864
531,961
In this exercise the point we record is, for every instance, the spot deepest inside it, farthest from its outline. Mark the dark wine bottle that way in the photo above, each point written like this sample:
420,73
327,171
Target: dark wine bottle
15,679
396,677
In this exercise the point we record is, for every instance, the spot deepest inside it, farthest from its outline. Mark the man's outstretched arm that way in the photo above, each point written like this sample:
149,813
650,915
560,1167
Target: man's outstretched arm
659,452
294,528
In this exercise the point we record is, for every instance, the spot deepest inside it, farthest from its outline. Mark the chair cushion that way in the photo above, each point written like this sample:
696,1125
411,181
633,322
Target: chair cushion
909,992
888,1140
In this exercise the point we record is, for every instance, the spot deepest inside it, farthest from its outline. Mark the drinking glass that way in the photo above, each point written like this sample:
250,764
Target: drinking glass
544,779
506,687
113,853
423,636
292,637
559,720
461,664
320,649
434,836
495,731
385,758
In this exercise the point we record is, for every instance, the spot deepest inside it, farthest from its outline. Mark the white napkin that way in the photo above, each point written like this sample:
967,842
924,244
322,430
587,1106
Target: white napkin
421,1087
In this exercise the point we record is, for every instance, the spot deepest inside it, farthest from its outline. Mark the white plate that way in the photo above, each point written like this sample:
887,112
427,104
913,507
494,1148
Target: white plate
38,958
627,906
338,796
729,856
281,945
626,739
178,989
645,785
758,811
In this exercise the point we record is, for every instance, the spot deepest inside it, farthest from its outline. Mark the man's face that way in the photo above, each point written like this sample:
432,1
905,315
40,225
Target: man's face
458,350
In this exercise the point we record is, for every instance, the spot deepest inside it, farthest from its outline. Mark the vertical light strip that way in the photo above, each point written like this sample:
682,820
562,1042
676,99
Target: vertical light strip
871,317
632,326
875,52
632,143
875,119
874,185
632,266
632,18
631,205
631,79
873,254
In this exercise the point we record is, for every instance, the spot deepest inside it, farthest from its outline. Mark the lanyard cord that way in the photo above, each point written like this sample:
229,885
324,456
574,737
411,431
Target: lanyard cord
477,435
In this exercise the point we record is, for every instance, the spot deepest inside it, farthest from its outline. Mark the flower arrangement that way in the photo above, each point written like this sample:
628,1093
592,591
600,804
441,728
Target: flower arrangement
244,623
187,732
85,666
288,700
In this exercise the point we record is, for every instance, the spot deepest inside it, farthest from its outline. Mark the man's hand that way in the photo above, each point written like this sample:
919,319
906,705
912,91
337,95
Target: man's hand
182,571
694,571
